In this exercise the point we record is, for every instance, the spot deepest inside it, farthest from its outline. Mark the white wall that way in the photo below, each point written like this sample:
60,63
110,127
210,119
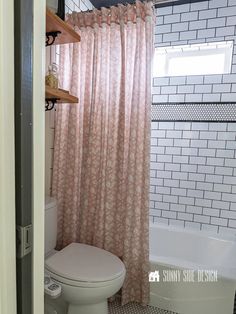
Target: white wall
51,56
38,155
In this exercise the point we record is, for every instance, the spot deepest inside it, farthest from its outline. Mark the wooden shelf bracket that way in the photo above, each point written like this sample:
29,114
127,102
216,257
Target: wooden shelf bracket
51,37
50,103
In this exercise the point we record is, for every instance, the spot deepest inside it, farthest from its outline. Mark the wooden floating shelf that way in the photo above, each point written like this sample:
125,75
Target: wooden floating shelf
60,95
55,24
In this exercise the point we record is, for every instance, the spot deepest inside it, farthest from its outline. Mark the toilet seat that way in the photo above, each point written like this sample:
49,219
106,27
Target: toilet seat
83,284
84,266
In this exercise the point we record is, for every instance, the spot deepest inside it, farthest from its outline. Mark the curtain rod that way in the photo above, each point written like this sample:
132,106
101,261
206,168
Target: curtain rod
157,3
116,5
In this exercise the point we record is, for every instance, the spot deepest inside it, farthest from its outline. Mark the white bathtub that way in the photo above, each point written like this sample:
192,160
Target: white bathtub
176,253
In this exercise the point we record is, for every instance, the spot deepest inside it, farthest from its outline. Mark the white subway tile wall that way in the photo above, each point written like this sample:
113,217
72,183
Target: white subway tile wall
52,55
77,5
202,22
193,170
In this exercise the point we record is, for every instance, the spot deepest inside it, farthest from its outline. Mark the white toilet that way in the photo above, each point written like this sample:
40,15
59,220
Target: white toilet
87,275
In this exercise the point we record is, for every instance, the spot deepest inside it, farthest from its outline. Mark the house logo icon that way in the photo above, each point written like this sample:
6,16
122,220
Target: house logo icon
154,276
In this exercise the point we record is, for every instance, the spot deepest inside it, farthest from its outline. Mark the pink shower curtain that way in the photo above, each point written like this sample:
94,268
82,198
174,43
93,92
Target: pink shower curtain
101,157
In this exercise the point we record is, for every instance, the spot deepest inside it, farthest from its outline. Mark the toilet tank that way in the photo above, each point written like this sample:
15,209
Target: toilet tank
50,224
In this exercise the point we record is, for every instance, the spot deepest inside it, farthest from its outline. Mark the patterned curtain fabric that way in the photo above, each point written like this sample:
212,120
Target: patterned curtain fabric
101,157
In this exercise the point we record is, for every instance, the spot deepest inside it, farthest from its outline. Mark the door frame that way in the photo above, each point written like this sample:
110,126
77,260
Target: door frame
7,161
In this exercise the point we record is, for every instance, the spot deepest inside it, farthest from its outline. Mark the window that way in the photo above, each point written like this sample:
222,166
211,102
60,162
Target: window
196,59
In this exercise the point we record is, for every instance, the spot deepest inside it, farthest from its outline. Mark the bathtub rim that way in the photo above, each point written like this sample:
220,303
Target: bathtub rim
200,233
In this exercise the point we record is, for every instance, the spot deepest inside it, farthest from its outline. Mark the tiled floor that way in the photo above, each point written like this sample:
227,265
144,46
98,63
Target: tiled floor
134,308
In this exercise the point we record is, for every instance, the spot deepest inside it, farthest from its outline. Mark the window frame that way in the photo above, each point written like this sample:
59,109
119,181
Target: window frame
204,49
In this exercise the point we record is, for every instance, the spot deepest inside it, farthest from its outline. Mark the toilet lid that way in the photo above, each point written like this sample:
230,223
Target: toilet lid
83,262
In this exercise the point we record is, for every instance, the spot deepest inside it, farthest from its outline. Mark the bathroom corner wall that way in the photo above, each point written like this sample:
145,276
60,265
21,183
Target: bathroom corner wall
52,55
193,167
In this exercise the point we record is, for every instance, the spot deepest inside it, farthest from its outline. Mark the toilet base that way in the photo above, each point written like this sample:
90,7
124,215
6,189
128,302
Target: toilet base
98,308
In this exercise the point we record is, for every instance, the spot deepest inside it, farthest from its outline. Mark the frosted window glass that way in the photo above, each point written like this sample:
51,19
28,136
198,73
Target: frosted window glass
200,59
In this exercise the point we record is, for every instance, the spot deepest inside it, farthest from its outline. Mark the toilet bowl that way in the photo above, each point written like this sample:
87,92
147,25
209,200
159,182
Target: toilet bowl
87,275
